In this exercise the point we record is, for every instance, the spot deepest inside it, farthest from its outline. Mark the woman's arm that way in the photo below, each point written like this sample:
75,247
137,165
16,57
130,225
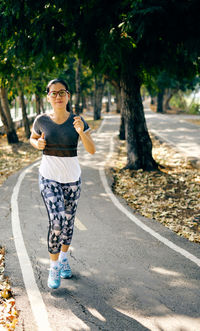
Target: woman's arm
87,142
37,141
85,136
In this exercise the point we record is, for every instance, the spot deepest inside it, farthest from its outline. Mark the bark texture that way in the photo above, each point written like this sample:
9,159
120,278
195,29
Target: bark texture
78,108
98,95
160,102
24,115
122,131
7,119
139,145
38,104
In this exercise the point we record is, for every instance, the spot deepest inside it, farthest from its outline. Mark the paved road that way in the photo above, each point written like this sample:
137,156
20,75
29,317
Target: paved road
176,130
124,279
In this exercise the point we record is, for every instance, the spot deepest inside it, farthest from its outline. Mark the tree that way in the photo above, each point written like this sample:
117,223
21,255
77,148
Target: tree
6,117
78,108
23,107
137,37
164,85
121,38
98,95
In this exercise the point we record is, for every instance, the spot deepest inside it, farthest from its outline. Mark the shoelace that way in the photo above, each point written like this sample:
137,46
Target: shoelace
54,274
65,265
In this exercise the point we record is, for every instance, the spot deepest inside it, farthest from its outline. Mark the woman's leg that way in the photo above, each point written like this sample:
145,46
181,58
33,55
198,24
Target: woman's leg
52,194
53,197
71,193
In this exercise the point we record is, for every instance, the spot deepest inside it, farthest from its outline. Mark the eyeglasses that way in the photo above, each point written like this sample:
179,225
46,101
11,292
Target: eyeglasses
61,93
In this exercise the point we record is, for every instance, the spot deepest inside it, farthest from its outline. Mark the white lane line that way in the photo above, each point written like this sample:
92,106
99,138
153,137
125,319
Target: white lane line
135,220
33,292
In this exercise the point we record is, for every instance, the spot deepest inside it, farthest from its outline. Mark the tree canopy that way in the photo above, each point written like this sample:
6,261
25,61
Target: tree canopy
123,39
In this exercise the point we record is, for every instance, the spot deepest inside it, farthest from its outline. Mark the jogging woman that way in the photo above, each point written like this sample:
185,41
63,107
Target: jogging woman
57,135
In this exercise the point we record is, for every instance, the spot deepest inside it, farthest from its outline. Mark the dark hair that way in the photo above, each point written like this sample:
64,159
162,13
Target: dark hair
55,81
61,81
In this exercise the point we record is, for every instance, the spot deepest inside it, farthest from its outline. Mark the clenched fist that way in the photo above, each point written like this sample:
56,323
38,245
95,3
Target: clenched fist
78,124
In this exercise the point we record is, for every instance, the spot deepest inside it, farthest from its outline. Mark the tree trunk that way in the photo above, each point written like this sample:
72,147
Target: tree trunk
10,127
122,131
38,104
98,95
24,115
108,104
78,108
3,118
118,99
42,105
139,145
153,100
84,102
167,99
160,97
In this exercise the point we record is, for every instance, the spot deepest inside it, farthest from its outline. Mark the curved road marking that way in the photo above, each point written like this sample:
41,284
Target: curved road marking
33,292
135,220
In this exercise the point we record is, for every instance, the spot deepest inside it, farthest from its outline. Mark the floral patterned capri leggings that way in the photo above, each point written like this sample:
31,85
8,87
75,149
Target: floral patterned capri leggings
61,203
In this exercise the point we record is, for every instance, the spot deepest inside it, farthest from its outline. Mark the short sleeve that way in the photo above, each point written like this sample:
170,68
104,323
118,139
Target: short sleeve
86,126
36,127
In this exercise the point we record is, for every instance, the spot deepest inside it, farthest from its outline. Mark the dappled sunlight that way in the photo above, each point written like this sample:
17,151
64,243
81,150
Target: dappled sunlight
183,284
79,225
89,183
74,322
43,261
90,272
132,236
43,241
166,272
96,314
181,134
169,322
97,161
175,279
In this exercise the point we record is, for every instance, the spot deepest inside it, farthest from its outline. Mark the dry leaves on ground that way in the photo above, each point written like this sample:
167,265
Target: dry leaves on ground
8,312
14,157
170,195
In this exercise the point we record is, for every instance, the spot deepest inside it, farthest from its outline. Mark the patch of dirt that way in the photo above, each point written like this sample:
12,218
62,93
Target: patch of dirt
170,195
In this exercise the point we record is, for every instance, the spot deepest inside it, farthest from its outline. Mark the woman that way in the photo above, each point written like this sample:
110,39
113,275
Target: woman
57,134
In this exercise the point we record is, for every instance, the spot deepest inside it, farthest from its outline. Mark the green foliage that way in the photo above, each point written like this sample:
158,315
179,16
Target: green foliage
148,37
194,109
179,101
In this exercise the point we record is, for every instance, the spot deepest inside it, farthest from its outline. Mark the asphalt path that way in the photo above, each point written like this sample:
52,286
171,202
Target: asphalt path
176,130
129,273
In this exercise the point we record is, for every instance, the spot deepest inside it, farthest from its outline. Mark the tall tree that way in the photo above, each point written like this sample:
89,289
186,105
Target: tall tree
132,38
98,95
78,108
6,117
138,37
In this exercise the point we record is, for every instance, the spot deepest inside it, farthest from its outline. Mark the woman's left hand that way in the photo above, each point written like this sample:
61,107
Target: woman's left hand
78,124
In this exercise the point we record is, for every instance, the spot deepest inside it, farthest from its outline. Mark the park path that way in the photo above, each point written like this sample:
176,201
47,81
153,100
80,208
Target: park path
176,130
124,277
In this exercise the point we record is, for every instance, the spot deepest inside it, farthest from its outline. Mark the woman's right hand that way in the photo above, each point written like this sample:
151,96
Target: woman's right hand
41,142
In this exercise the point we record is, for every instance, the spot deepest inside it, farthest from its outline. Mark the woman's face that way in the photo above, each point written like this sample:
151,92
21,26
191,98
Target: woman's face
58,96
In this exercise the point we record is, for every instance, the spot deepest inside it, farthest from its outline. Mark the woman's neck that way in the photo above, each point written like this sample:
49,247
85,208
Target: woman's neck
59,115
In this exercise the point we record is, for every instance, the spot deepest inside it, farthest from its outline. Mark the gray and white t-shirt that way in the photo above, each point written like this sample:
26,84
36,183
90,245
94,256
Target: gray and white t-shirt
59,160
